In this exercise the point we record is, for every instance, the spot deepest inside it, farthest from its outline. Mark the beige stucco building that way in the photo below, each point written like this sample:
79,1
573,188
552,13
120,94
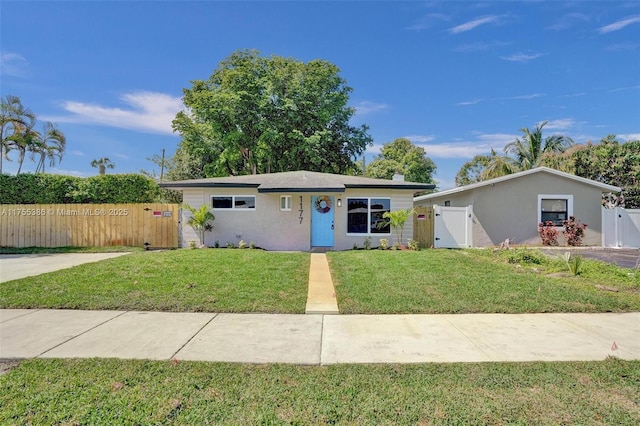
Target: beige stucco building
512,206
297,210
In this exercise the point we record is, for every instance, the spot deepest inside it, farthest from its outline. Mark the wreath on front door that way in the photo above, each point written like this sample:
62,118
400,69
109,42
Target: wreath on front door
323,204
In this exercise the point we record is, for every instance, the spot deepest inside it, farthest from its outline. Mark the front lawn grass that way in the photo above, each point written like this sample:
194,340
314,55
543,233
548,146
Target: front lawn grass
119,392
472,281
206,280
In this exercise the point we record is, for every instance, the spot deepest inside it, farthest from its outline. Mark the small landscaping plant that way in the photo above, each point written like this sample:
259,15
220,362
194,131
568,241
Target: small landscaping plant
548,233
574,231
384,243
574,263
396,219
413,245
200,220
367,243
242,244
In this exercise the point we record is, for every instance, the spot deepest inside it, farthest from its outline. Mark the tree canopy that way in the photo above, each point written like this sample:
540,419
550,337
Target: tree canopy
258,114
524,153
18,133
402,156
610,161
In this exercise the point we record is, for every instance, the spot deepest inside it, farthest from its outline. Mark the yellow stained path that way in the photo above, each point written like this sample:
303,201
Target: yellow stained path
321,296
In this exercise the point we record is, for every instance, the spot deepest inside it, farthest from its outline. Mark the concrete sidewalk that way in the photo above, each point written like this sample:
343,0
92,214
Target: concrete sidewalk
318,339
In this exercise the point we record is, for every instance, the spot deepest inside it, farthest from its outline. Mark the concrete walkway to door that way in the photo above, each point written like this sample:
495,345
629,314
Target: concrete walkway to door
321,295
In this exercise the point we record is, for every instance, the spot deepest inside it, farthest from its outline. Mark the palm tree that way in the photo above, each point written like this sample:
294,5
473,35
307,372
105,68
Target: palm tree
499,165
14,120
528,150
200,220
103,164
397,219
50,145
24,139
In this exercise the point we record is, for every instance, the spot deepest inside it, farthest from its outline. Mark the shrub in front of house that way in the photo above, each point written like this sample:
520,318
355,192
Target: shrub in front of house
548,233
574,231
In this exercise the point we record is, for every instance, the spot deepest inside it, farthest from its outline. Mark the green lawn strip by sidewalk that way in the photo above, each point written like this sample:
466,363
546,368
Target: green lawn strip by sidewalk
209,280
118,392
470,281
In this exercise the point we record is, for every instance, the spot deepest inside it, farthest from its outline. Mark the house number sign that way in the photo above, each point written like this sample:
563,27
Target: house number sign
301,210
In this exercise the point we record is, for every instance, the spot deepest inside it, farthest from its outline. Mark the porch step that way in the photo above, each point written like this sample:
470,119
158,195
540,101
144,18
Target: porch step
321,296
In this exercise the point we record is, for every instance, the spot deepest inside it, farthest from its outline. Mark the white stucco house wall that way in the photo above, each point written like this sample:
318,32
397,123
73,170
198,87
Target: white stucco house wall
298,210
512,206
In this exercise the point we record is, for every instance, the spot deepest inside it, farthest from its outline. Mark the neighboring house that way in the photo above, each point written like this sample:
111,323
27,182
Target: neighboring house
298,210
512,206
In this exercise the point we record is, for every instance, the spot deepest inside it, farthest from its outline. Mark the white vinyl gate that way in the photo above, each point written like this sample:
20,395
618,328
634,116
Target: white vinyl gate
452,227
621,227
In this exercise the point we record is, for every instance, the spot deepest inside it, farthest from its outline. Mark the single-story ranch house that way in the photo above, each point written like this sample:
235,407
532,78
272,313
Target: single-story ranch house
512,206
298,210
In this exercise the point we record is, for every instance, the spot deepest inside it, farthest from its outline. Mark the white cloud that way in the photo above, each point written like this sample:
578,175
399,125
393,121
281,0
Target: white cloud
623,46
480,46
618,25
77,153
13,64
561,124
622,89
471,102
419,139
468,26
149,112
482,145
367,107
427,21
567,21
509,98
56,171
521,57
630,137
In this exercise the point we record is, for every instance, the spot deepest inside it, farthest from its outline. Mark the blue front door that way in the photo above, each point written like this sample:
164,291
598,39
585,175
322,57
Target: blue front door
322,218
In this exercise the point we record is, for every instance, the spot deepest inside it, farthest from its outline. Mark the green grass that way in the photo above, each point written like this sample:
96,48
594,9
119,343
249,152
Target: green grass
177,280
118,392
470,281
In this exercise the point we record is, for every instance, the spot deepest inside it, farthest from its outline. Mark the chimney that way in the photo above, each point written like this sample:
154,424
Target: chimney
398,177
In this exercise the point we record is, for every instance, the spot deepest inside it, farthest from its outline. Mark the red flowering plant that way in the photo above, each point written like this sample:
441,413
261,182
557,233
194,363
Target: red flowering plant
574,231
548,233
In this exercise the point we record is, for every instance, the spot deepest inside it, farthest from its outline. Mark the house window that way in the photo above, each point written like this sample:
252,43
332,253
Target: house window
285,203
554,208
447,203
365,214
233,202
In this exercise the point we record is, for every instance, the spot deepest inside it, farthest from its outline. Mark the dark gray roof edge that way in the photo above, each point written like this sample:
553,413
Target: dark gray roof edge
284,189
207,185
422,186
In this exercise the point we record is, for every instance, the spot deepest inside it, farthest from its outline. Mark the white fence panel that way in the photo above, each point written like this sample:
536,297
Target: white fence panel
452,227
621,227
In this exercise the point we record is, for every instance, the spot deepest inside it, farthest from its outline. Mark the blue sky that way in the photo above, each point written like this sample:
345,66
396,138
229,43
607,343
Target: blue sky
457,78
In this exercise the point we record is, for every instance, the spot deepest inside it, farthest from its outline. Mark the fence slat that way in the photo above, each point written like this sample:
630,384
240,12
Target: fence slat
86,225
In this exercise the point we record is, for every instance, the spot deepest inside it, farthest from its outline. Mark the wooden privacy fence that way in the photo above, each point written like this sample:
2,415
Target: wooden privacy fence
423,226
89,225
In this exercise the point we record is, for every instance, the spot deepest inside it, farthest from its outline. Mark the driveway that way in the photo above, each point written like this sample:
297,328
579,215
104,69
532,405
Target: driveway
15,266
623,257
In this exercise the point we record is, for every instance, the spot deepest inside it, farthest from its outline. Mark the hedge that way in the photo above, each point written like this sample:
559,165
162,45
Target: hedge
42,188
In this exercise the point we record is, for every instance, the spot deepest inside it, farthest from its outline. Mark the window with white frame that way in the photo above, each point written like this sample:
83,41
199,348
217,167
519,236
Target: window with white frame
554,208
285,203
233,202
364,215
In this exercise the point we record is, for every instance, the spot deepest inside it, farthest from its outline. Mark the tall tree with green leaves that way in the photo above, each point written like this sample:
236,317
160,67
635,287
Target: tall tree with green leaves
402,156
102,164
50,144
16,124
258,114
528,150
